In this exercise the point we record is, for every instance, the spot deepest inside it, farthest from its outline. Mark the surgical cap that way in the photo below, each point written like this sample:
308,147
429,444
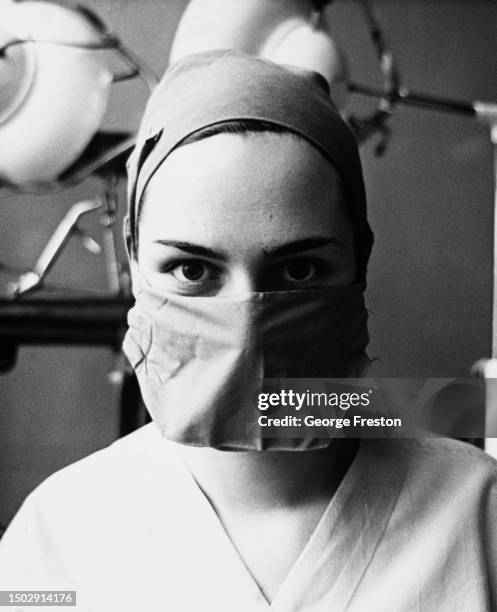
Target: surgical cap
208,88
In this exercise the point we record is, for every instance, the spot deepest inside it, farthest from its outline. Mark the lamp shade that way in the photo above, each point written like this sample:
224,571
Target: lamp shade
54,93
279,30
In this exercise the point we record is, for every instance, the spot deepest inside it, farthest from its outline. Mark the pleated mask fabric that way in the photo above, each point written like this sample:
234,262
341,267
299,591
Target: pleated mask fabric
200,361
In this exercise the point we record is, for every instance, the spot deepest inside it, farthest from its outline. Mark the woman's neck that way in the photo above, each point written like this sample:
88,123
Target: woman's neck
255,481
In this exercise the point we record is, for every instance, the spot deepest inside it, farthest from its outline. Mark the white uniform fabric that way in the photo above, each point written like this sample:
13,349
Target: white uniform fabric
412,527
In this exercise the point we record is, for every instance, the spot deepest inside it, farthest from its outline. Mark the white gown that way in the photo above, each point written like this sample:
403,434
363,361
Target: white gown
412,527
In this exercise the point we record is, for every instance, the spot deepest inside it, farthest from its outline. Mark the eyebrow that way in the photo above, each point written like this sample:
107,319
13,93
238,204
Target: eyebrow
299,246
290,248
193,249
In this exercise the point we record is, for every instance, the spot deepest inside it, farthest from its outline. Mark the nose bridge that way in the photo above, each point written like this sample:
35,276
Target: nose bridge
242,278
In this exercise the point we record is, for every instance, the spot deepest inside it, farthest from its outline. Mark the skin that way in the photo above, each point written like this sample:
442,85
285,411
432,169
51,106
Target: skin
237,213
239,197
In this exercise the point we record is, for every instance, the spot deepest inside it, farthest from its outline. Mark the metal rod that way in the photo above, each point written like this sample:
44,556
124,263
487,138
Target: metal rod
108,222
34,278
489,367
410,98
493,137
142,69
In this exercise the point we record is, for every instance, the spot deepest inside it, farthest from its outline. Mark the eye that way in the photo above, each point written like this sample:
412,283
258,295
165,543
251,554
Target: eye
299,271
192,271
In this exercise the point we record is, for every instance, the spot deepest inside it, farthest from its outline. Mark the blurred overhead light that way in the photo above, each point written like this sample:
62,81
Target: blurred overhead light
54,89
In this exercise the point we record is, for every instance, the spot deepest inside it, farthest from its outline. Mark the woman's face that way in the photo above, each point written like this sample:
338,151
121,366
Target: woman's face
236,213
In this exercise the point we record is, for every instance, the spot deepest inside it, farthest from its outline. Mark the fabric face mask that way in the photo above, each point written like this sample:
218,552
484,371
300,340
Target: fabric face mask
201,360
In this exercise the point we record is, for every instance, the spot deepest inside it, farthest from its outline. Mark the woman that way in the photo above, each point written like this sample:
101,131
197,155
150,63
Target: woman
249,242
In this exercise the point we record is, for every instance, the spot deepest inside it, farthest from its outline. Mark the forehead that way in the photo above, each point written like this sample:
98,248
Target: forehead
228,182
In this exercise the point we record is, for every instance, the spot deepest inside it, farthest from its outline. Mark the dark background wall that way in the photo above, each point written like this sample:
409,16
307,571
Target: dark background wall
430,196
